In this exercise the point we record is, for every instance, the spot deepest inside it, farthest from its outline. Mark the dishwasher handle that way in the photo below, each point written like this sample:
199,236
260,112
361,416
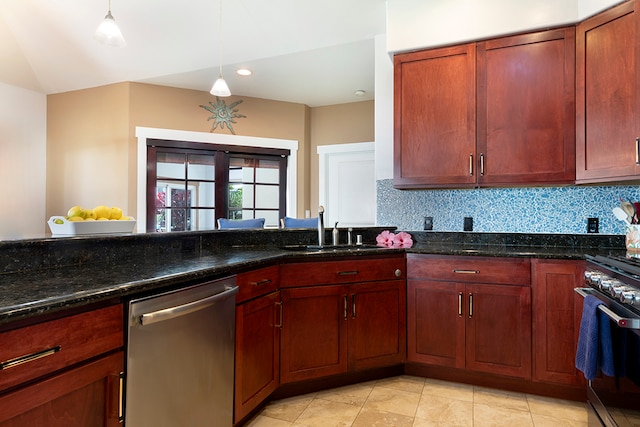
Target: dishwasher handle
191,307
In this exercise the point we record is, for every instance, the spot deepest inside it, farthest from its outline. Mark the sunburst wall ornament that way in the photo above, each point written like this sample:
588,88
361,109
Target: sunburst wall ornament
223,114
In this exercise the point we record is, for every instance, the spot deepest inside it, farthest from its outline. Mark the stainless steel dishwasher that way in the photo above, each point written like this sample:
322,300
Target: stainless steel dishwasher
180,357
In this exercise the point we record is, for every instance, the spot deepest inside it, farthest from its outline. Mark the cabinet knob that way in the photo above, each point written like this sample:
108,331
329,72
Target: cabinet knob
398,272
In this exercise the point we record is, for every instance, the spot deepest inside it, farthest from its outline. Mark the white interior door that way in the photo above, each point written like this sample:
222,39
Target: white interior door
348,184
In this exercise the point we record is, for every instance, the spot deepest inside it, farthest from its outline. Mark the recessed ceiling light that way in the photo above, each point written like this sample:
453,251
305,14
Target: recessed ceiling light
244,72
359,92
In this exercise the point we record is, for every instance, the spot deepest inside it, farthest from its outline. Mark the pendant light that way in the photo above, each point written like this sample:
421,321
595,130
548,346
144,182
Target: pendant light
220,87
108,32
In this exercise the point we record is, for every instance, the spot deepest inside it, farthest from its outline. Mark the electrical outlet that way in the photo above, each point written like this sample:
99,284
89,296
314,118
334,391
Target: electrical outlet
593,225
428,223
468,223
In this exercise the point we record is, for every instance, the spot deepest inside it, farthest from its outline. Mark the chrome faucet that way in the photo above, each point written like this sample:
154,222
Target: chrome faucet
320,225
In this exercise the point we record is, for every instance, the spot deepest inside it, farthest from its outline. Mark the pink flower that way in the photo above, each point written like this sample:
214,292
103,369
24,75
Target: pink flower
402,240
386,238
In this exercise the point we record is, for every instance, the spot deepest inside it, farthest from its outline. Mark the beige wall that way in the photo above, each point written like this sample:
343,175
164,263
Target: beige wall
87,139
337,124
91,141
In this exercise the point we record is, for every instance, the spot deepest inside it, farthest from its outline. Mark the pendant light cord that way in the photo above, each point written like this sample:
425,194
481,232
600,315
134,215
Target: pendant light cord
219,38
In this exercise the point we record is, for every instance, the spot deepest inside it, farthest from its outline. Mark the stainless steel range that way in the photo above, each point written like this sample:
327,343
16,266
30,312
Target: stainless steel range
614,401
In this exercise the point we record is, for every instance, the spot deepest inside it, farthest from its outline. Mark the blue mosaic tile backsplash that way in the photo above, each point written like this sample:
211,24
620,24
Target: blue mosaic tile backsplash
504,210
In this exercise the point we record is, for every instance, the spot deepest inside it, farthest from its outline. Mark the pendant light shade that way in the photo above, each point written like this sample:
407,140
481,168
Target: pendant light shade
108,32
220,87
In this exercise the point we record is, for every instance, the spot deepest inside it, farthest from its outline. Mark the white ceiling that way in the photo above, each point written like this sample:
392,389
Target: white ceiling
314,52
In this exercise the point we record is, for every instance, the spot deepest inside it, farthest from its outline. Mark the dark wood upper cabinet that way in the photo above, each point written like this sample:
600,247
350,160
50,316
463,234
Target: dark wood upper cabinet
494,113
526,110
435,118
606,92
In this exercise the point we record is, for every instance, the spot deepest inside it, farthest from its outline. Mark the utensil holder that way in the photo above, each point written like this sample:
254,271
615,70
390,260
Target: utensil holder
633,238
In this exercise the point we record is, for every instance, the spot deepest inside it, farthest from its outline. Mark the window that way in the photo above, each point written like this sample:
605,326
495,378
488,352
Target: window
191,185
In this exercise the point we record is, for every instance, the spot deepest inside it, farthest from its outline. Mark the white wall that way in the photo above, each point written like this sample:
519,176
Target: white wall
414,24
23,139
383,109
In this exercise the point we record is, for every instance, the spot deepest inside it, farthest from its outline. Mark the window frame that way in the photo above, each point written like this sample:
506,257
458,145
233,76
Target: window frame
222,154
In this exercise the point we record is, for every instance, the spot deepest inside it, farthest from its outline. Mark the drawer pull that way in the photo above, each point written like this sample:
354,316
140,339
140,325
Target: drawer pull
12,363
260,282
279,304
353,306
348,273
121,398
466,271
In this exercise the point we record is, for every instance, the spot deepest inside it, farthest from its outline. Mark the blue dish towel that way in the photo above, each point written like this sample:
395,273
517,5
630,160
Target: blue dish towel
595,348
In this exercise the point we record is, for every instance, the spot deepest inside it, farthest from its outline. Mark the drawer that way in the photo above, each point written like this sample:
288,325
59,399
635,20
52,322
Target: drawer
257,282
511,271
343,271
47,347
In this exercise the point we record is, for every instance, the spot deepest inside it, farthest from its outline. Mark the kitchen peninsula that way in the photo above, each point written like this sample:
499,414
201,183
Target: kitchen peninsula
56,282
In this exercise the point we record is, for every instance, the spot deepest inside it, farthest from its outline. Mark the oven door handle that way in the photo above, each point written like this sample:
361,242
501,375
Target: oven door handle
623,322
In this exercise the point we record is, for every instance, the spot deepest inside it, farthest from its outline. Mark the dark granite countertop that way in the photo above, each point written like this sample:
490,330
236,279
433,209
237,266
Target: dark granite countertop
48,275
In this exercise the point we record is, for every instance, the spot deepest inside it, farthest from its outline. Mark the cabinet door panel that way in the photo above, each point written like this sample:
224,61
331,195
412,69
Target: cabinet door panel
434,127
555,330
526,108
314,335
377,324
436,328
606,95
498,329
257,353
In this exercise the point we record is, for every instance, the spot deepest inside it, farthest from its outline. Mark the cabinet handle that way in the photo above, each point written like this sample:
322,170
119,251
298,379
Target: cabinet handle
279,324
353,306
260,282
12,363
121,398
481,164
398,272
637,151
460,304
345,307
455,270
348,273
470,164
470,305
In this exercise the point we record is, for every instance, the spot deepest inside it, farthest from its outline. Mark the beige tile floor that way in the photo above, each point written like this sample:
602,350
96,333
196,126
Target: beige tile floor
407,401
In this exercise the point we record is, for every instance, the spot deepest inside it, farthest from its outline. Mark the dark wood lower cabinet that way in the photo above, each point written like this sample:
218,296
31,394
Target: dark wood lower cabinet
88,395
257,352
481,327
556,320
377,327
334,329
314,332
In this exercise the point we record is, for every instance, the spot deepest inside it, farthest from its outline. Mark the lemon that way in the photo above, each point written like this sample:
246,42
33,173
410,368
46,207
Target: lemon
102,212
58,221
89,219
116,213
102,219
89,214
76,211
125,218
75,218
